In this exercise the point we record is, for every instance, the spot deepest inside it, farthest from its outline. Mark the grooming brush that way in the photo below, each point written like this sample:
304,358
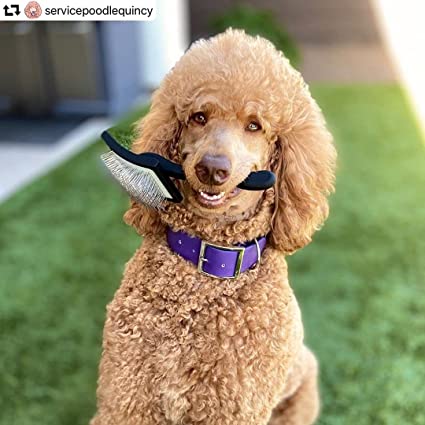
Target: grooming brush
146,177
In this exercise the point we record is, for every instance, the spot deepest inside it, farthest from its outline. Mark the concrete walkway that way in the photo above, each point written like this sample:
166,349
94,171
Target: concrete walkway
21,162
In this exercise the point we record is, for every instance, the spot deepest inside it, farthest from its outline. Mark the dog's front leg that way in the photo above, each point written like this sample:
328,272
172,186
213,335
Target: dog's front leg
300,404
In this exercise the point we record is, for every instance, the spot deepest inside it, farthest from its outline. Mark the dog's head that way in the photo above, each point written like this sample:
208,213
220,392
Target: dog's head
230,106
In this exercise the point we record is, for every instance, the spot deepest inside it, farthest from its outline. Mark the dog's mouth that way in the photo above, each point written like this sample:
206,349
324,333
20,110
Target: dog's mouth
214,199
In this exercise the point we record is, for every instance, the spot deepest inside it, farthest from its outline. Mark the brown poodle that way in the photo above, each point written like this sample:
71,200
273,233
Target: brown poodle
182,347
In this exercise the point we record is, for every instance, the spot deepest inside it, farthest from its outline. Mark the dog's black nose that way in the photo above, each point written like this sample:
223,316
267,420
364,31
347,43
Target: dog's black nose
213,169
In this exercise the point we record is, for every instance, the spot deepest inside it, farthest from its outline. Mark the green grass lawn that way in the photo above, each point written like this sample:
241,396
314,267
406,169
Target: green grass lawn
361,283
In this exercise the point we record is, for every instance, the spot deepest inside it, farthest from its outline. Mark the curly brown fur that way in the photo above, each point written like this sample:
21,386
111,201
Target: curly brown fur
180,347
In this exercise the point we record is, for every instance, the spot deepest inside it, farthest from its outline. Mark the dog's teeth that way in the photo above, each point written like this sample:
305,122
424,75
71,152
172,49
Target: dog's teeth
212,197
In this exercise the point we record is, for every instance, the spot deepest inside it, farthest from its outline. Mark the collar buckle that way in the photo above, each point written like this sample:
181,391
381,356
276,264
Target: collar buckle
201,260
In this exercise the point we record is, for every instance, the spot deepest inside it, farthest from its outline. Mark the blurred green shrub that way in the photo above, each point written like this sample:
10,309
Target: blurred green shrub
258,22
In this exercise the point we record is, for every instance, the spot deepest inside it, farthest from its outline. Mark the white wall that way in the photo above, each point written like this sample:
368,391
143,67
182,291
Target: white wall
402,24
163,41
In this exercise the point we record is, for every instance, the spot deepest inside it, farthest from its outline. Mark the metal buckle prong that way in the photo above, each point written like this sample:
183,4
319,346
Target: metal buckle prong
258,254
202,259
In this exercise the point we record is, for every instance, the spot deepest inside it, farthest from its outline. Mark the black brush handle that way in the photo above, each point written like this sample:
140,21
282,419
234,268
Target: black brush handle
137,159
168,167
258,180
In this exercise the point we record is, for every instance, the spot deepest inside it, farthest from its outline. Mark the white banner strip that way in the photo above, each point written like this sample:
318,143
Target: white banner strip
78,10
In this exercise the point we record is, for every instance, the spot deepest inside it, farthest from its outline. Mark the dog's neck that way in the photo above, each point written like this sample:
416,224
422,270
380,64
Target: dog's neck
255,224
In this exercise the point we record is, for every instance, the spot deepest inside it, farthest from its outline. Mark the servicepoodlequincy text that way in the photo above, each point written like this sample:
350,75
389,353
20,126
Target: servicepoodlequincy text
99,11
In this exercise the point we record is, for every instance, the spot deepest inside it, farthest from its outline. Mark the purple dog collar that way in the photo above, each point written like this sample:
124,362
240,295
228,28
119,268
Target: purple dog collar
214,260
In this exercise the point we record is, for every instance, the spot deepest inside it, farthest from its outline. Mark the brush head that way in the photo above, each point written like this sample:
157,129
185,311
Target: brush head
141,183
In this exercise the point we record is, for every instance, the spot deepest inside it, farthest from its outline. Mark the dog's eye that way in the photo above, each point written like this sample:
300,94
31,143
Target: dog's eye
200,118
253,126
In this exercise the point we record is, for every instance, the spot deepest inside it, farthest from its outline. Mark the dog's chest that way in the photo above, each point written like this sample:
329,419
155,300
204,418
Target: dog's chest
202,357
189,341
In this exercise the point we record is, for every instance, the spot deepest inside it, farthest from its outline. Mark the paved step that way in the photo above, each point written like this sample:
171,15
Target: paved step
339,39
346,63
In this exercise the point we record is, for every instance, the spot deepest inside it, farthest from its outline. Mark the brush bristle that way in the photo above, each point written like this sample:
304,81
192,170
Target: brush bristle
140,183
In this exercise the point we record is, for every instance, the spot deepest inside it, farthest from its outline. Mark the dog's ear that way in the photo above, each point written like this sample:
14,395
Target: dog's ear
157,132
304,163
